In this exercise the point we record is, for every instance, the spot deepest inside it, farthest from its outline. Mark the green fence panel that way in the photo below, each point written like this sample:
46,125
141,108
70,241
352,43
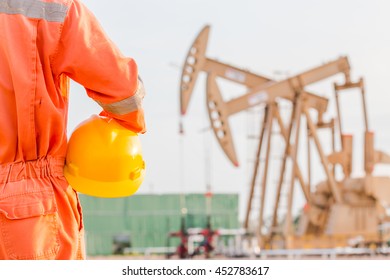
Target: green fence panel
146,220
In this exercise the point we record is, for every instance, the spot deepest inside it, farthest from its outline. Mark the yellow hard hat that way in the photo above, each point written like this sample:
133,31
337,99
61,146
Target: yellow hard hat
104,159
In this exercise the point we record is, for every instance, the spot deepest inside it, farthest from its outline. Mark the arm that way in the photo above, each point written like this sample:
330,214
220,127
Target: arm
87,56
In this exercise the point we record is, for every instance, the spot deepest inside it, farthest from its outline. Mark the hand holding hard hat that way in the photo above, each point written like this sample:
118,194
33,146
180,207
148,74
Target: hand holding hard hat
104,159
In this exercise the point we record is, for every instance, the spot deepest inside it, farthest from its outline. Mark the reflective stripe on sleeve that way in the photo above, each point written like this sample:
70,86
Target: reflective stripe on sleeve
53,12
127,105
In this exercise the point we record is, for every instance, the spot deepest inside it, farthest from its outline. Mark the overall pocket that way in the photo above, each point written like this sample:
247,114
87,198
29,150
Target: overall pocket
29,227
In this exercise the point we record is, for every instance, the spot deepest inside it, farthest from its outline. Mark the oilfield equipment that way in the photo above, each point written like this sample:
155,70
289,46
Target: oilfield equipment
337,211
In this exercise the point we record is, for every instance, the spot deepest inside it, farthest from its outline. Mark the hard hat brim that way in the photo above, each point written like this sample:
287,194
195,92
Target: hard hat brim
102,189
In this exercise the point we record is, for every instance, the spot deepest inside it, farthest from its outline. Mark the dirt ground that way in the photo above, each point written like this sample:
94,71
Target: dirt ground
162,257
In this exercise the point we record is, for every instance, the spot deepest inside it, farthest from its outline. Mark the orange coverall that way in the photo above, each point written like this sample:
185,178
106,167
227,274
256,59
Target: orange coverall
43,43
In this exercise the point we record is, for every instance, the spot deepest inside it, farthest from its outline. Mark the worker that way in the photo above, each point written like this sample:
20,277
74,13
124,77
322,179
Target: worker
43,44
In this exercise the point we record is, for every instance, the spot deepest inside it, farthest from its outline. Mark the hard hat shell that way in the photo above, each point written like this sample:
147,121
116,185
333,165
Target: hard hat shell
104,159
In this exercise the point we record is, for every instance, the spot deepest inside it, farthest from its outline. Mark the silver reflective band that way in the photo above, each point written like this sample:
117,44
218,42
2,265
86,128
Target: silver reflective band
127,105
34,9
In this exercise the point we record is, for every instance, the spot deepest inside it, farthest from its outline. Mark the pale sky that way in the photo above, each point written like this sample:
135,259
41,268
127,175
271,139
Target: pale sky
261,36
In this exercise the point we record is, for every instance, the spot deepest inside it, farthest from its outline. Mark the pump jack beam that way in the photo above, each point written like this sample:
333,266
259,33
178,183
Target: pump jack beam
196,62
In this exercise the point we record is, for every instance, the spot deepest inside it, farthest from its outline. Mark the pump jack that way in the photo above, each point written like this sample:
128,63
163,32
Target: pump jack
361,201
